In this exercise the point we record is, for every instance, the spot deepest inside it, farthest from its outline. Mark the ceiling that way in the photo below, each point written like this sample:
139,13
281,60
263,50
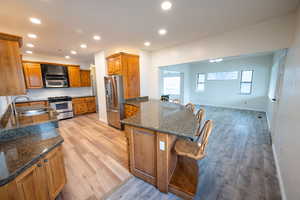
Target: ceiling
128,24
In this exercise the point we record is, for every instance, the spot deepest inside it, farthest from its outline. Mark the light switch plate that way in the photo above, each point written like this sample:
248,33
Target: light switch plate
162,145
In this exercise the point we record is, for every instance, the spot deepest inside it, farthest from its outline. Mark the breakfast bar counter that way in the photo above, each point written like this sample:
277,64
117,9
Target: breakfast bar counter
152,132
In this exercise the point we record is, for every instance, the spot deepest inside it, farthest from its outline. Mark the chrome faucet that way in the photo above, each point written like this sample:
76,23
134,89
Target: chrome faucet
14,102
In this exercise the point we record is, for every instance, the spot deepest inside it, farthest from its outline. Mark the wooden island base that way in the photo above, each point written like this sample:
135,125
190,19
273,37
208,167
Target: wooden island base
153,159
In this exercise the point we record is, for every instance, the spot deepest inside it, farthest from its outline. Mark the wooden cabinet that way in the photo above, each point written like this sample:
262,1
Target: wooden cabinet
142,147
84,105
32,184
55,170
11,72
33,103
74,76
130,110
33,75
85,78
126,65
42,181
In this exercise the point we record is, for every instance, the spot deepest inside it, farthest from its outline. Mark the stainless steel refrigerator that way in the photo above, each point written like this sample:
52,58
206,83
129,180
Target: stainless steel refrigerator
114,100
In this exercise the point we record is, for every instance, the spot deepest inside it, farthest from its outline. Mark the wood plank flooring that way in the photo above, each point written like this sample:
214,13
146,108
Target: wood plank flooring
239,163
96,158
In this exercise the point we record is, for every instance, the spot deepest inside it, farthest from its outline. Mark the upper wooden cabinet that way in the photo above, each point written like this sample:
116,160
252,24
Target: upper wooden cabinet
33,75
11,73
85,78
74,76
128,66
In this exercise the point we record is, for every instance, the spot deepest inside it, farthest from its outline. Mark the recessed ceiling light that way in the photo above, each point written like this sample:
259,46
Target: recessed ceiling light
67,57
31,35
216,60
35,20
29,52
73,52
30,45
84,46
166,5
97,37
162,31
147,44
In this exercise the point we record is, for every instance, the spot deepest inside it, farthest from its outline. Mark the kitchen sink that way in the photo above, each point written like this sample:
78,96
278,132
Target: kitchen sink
31,111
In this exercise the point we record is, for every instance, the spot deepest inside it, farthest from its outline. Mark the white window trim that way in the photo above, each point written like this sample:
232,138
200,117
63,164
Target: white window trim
197,82
251,83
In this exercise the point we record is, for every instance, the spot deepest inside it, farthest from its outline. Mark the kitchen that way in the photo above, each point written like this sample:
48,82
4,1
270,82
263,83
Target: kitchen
126,100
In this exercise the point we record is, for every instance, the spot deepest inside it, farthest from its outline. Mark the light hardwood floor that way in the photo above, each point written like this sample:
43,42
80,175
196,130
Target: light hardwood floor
95,156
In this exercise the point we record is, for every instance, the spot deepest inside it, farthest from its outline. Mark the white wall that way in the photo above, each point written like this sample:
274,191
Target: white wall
278,63
287,126
226,93
100,66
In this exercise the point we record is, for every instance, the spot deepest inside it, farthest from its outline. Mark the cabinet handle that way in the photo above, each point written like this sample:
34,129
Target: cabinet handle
46,160
39,165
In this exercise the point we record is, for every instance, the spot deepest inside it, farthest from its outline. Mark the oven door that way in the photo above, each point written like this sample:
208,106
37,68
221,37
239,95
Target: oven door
62,106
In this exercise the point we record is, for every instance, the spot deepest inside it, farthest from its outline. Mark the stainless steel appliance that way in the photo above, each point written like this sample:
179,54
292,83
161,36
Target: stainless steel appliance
55,76
114,100
62,105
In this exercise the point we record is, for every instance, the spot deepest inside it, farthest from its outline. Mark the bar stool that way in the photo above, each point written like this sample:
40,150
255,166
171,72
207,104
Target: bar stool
199,119
195,150
190,107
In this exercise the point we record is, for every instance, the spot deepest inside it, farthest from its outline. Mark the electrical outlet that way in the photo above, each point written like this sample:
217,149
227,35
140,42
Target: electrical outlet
162,145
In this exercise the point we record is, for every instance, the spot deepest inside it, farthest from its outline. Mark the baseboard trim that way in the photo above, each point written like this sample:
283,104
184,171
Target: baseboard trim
232,107
282,190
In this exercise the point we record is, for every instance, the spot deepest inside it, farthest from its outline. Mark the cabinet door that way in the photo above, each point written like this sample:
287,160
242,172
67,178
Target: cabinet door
55,171
142,144
32,184
80,107
132,88
114,66
85,78
11,72
74,76
33,75
91,104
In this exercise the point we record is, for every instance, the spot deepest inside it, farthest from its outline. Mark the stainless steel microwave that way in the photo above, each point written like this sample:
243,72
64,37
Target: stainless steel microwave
55,76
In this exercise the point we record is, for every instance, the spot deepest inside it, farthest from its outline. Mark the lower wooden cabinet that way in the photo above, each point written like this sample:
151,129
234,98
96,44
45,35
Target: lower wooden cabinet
42,181
84,105
55,170
130,110
33,103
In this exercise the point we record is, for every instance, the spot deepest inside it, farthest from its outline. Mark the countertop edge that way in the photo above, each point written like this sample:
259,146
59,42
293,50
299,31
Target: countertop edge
29,164
154,129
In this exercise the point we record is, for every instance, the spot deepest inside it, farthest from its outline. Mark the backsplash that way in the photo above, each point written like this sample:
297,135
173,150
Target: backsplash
36,94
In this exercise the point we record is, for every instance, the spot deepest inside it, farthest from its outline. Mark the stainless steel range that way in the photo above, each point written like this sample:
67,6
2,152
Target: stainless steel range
62,105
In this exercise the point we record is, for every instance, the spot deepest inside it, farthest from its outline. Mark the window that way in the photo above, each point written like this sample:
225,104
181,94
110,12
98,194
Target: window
222,76
246,81
172,85
200,82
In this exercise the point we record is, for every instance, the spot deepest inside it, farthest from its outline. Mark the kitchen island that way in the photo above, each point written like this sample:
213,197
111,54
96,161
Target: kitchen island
152,132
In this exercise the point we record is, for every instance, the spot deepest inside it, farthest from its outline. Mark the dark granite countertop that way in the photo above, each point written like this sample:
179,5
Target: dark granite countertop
24,147
83,96
164,117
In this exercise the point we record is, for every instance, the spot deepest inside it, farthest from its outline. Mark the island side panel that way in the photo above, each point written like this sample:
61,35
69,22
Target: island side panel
148,160
142,153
